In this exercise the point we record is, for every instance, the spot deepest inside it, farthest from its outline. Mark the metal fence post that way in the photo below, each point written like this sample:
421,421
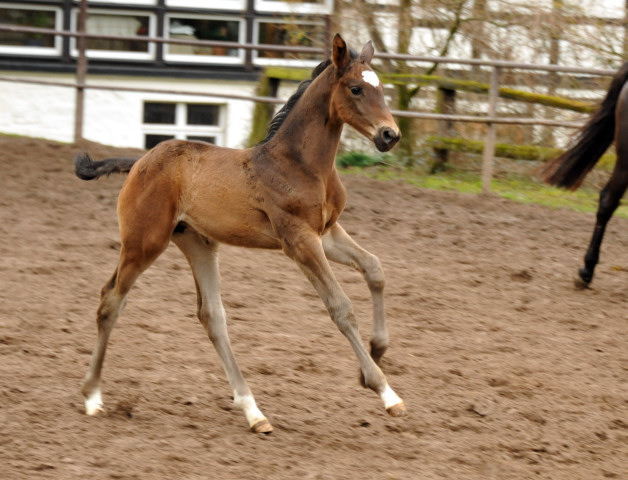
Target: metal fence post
489,143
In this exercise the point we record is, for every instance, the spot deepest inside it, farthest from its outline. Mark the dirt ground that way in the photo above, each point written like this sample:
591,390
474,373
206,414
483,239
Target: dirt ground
507,371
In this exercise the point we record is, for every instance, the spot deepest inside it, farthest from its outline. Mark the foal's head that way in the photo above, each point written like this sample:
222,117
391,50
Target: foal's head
358,96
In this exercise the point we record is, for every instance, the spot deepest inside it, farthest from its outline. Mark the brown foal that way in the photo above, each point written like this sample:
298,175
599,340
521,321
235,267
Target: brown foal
284,193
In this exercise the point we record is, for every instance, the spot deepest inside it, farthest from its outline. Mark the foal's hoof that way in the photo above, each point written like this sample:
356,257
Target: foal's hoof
398,410
263,426
93,410
377,352
93,404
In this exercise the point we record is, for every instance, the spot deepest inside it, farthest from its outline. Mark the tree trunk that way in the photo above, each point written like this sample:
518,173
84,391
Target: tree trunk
626,29
404,95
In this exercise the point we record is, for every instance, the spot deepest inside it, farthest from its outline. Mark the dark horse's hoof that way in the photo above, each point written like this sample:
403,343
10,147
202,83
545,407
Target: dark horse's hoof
583,279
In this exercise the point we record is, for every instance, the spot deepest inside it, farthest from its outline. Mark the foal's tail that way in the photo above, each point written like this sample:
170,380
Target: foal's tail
88,169
569,169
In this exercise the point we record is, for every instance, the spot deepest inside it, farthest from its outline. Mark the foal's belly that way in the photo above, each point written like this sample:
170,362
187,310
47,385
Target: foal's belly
250,229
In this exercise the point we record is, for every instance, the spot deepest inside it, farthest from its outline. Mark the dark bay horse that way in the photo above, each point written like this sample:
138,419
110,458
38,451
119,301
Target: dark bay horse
608,123
284,193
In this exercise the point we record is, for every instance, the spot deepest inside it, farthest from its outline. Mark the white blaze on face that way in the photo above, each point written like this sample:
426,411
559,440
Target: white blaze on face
370,77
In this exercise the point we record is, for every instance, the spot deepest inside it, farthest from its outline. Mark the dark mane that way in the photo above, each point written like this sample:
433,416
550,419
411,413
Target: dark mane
281,115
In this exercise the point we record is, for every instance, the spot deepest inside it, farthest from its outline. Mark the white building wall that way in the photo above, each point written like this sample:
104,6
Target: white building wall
114,117
36,111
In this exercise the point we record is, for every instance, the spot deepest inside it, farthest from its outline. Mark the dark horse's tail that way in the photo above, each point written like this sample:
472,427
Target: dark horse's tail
88,169
569,169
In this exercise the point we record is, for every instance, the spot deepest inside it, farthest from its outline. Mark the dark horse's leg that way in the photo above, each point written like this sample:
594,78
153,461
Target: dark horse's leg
610,197
608,123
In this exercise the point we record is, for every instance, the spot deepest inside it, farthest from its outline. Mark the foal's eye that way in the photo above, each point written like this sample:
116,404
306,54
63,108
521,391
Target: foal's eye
356,90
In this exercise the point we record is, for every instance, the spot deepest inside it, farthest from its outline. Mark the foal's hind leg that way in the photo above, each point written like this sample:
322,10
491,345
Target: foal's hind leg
610,197
145,230
202,255
340,247
112,300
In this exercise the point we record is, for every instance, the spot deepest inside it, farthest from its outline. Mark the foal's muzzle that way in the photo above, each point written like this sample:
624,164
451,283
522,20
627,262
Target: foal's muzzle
386,138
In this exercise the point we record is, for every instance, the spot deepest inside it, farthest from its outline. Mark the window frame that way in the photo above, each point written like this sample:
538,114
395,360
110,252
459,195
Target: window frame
116,54
53,51
257,60
224,4
207,59
180,129
150,3
295,6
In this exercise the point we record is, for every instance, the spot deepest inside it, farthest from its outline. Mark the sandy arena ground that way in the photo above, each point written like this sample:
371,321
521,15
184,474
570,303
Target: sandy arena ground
507,371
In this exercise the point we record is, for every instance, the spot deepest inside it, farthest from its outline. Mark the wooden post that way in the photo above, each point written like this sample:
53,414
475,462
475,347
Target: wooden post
81,73
489,142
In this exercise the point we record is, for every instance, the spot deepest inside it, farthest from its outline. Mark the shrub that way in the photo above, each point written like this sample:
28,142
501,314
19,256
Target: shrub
358,159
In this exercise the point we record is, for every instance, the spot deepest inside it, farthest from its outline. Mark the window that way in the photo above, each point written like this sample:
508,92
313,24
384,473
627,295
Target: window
199,114
196,27
162,113
289,34
30,16
151,140
126,2
223,4
295,6
185,121
117,23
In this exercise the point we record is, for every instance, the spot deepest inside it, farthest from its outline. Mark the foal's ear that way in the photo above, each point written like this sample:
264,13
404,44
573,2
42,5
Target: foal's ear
367,53
340,53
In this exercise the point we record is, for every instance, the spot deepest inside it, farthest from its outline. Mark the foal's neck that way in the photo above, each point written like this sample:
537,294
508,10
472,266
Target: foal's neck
309,137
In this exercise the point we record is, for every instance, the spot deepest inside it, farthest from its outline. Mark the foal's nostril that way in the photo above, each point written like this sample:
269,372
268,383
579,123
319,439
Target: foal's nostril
390,135
386,138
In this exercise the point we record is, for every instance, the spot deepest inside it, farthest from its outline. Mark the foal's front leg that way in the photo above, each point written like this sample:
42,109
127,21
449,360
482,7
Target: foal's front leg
306,249
341,248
